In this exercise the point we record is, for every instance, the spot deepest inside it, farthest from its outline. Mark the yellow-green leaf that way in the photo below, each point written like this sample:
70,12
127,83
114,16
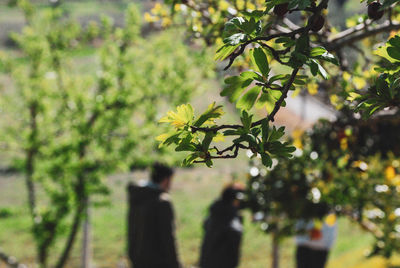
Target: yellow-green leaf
184,115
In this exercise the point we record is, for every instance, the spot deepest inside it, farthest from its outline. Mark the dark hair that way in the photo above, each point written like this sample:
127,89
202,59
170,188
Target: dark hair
321,209
160,172
232,192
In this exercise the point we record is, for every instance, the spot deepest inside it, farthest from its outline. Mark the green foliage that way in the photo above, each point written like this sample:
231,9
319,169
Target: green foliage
280,196
357,169
72,128
6,212
347,165
384,92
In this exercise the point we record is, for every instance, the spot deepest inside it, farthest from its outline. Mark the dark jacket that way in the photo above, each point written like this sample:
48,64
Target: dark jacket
151,230
222,237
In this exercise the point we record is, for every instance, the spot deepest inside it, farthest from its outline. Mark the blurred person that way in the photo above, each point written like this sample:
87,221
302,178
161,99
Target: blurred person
314,244
151,222
223,230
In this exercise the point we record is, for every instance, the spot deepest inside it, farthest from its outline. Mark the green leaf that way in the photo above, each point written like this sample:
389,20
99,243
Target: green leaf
317,51
276,78
246,120
235,85
329,58
266,159
231,132
299,82
247,101
189,160
260,59
224,51
300,57
303,4
239,24
268,100
313,68
388,3
235,39
209,163
249,75
212,112
264,130
256,14
286,41
185,146
233,26
168,138
183,116
207,140
303,44
317,68
394,52
276,134
395,41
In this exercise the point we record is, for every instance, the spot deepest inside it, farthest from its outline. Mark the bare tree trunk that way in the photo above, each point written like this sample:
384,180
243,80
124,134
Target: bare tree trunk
86,241
275,251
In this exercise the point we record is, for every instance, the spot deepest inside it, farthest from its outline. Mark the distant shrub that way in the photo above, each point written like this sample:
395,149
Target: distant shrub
6,213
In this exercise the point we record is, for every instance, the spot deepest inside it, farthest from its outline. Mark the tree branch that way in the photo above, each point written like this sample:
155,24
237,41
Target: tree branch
214,129
357,33
234,155
293,26
278,104
365,224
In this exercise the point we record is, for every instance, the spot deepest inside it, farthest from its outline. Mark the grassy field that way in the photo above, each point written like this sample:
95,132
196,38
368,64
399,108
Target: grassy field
192,193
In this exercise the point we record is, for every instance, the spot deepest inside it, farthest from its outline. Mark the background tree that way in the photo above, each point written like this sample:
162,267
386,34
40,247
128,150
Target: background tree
280,196
357,167
70,128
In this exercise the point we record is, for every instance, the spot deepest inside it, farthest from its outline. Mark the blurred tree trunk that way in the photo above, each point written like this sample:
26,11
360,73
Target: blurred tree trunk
71,237
86,240
275,251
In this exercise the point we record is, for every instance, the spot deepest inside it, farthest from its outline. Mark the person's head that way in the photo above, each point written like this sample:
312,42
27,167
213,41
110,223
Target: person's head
321,209
162,175
233,194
